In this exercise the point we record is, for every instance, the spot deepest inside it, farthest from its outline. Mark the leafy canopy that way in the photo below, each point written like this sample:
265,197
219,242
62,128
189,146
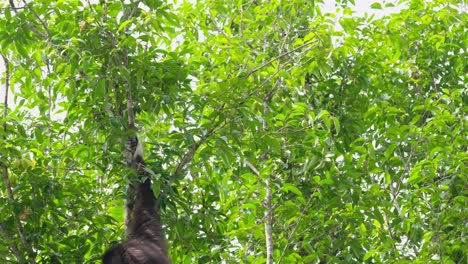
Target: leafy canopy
344,137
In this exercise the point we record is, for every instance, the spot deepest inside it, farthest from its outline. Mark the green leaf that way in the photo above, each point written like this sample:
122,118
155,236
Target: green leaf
376,5
291,188
369,254
124,24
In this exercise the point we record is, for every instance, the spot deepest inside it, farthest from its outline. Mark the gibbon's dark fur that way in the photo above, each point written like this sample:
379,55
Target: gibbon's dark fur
145,236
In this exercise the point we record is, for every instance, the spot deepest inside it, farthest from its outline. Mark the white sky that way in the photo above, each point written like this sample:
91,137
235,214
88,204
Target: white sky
362,7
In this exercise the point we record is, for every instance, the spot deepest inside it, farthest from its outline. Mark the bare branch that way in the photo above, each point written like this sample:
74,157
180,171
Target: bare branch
11,8
268,196
130,113
12,4
269,224
252,167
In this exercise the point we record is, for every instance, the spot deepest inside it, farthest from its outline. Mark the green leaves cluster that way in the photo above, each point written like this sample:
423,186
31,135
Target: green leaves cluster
356,126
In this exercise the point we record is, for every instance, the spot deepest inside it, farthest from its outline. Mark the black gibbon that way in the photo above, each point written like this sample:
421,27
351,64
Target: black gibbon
145,237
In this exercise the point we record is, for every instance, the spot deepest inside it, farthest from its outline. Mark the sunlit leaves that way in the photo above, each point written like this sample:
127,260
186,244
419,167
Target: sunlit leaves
358,123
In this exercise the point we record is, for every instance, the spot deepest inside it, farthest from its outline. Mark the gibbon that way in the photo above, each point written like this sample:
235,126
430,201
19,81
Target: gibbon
145,237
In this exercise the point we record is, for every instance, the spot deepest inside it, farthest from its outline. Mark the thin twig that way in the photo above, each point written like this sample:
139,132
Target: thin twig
278,57
267,80
299,219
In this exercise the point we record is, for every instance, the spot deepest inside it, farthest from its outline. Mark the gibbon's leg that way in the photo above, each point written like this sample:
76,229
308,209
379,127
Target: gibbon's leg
146,242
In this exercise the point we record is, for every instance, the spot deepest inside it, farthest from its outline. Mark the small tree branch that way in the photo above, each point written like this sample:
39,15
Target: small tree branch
269,223
5,177
128,88
252,167
189,154
7,90
268,197
12,4
37,32
130,113
291,234
13,248
38,18
286,65
278,57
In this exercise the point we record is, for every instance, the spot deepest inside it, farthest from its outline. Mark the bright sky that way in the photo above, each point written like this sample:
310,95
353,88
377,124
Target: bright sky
362,7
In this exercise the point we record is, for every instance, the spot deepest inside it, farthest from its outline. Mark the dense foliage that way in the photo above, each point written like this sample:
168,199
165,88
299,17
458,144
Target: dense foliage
275,132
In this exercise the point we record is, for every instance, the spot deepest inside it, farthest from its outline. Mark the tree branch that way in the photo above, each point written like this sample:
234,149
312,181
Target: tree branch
5,177
289,63
299,219
128,88
38,18
130,113
278,57
7,90
36,31
252,167
189,154
12,4
268,197
13,248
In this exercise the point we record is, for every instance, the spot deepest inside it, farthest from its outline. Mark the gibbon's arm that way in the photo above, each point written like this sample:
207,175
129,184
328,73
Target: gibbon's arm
146,220
146,243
